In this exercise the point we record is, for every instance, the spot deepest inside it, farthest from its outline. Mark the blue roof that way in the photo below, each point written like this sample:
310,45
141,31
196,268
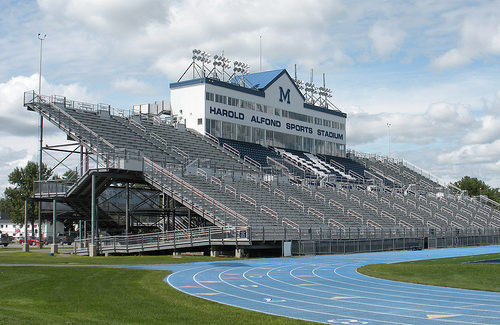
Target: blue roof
259,80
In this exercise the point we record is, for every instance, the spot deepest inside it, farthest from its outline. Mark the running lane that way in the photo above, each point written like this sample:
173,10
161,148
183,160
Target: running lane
328,289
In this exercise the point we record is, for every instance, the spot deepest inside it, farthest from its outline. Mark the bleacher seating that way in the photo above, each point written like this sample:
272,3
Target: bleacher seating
255,151
271,203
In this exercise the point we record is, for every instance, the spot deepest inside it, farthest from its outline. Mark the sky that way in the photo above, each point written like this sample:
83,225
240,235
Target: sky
431,69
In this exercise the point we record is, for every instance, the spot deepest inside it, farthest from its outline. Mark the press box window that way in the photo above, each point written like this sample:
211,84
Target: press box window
200,121
209,96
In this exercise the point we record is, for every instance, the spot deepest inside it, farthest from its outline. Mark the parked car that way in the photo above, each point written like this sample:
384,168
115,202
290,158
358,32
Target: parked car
60,239
5,239
32,241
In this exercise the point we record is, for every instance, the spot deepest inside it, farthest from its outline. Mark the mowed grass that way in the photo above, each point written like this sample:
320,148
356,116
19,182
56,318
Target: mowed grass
84,295
455,272
44,258
89,295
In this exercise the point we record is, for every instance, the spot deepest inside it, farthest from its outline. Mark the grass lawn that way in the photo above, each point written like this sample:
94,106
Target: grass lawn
44,258
454,272
82,295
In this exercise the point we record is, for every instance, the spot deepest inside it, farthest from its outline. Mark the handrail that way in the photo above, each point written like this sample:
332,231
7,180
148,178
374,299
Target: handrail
371,206
426,209
464,219
336,204
416,216
316,213
269,211
137,125
400,208
335,223
296,202
231,149
266,185
387,215
230,189
94,145
290,223
216,180
269,159
355,175
371,223
158,240
441,217
248,199
307,189
192,189
353,213
321,196
83,126
159,139
279,193
433,224
407,224
252,162
337,165
212,138
180,152
202,172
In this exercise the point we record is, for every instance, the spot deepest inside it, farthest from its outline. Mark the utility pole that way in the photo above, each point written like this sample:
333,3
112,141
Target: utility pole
389,132
41,38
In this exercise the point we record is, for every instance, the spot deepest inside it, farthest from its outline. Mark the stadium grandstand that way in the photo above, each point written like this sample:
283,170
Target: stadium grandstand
245,163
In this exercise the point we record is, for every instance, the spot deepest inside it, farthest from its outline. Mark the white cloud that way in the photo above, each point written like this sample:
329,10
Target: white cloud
19,127
473,154
479,39
386,38
440,121
133,86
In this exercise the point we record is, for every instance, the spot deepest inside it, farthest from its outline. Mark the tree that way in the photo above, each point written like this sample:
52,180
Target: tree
22,180
476,187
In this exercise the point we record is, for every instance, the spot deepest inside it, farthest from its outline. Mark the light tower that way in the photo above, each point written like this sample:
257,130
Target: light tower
41,38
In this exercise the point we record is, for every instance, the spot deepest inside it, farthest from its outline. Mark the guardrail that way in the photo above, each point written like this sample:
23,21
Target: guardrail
167,240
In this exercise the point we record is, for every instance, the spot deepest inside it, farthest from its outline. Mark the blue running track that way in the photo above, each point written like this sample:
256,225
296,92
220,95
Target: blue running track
328,289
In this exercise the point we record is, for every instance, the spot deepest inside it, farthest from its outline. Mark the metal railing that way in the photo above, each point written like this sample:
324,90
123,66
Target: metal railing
186,193
166,240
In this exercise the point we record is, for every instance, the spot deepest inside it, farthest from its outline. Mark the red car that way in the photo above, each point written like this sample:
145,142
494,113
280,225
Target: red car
32,241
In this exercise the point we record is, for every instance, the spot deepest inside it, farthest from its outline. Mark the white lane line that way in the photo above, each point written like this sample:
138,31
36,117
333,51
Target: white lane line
327,315
358,302
386,292
407,299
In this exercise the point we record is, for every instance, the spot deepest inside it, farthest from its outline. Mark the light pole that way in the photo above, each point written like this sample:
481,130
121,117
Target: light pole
389,132
41,38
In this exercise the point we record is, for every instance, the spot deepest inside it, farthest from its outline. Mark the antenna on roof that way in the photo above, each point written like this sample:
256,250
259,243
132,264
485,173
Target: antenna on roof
260,53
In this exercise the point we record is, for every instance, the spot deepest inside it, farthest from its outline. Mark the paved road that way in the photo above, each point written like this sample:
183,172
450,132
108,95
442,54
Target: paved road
328,289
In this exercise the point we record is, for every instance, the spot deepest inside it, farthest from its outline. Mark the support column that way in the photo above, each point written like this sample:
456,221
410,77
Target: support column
86,160
239,252
26,247
214,252
92,248
127,206
53,247
81,161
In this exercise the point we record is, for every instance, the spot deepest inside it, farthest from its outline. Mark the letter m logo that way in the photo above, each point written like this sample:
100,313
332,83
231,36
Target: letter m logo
284,96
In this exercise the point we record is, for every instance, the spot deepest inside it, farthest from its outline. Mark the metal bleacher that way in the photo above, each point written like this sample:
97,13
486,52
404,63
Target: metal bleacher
227,185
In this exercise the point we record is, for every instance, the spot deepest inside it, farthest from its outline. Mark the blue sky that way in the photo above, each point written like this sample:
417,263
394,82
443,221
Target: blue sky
430,69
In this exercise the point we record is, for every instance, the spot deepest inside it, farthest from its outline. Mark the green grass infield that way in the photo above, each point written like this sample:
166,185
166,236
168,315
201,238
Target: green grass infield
455,272
87,295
